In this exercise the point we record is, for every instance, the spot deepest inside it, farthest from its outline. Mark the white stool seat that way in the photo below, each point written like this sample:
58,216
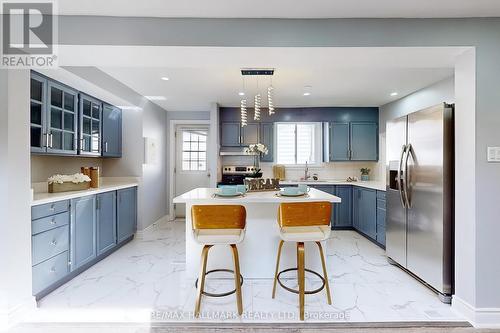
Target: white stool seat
305,234
219,236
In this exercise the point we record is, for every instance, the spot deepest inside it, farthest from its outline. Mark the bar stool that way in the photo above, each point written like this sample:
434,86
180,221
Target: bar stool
303,222
218,225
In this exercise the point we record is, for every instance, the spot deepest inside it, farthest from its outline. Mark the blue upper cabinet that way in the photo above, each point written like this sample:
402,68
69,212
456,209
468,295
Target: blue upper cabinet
339,141
364,141
250,134
230,135
111,131
38,103
267,138
90,115
354,141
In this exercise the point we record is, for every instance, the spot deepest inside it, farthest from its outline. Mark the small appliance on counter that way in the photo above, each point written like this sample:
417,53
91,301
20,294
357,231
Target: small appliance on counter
94,174
279,171
235,175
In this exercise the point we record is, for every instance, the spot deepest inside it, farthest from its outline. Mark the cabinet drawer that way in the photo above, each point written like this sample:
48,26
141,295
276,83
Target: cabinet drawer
49,243
381,195
49,222
49,272
49,209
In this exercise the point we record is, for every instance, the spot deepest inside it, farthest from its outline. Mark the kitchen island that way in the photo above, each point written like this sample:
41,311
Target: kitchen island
259,248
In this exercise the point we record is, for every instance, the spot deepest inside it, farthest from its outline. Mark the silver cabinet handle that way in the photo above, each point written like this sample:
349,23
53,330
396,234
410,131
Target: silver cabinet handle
53,221
52,269
46,137
53,243
106,146
49,140
403,151
52,207
81,144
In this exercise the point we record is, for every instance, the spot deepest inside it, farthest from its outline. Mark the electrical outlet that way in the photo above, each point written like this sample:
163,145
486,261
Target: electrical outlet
493,154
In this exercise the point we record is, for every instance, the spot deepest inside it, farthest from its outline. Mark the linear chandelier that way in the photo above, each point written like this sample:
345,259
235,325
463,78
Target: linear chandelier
257,97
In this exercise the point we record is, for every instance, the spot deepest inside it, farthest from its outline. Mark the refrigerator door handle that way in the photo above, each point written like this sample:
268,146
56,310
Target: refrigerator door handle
406,178
401,158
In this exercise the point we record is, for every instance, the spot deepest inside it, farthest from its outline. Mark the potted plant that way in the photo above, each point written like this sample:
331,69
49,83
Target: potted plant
256,150
365,174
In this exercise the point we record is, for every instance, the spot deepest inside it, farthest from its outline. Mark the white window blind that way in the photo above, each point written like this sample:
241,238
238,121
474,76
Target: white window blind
298,143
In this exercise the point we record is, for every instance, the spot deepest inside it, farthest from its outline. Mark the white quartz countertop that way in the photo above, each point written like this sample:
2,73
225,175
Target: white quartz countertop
206,195
105,186
373,184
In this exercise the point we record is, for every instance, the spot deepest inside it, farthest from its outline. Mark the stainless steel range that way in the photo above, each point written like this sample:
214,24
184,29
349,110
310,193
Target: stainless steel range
234,175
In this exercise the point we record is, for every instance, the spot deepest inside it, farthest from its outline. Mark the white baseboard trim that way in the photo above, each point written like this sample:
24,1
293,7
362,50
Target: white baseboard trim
161,221
478,317
17,313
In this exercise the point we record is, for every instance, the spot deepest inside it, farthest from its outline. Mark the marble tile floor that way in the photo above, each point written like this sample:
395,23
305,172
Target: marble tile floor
144,282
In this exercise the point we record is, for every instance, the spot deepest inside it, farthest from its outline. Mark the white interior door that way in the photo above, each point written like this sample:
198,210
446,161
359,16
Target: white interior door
191,161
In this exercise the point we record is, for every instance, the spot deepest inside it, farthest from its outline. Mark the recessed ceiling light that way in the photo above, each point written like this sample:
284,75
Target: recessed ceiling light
307,93
164,78
156,98
394,93
241,93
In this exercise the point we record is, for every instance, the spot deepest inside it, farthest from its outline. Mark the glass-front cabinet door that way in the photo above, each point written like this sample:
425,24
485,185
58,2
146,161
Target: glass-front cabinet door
90,111
38,96
62,119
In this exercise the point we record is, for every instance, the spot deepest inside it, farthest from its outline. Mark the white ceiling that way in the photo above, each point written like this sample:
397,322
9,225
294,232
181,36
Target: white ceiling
283,8
337,76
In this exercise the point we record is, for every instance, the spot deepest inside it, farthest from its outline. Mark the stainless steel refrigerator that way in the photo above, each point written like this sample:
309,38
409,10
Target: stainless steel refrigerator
420,195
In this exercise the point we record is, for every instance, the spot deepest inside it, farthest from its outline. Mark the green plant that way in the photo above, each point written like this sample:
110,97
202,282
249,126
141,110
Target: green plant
365,171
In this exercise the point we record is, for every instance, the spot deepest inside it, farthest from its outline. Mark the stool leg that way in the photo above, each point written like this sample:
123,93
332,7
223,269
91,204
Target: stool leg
277,267
301,277
325,274
237,280
201,279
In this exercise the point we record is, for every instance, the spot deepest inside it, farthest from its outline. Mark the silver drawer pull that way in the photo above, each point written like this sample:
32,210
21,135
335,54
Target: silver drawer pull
53,242
52,207
53,270
53,221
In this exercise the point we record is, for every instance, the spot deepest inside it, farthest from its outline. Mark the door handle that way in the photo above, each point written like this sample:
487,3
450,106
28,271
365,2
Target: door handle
406,177
403,151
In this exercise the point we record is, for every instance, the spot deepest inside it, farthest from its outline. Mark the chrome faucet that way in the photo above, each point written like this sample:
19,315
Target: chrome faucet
306,172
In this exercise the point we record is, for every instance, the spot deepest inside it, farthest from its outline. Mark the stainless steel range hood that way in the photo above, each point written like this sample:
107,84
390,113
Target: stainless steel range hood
235,152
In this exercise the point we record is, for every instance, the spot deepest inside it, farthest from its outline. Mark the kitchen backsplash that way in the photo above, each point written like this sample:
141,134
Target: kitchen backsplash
42,167
337,170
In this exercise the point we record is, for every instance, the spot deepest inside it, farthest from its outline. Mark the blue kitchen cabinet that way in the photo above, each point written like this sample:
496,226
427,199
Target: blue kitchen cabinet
106,221
83,231
111,131
343,210
267,138
381,213
38,104
366,211
126,213
339,141
364,141
354,141
250,134
230,135
90,122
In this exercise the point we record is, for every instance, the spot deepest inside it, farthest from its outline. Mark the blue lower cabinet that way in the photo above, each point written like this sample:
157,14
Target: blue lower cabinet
381,211
126,213
366,211
343,210
106,221
49,272
83,231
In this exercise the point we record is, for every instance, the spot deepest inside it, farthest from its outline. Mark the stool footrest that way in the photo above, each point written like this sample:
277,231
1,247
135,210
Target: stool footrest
220,294
295,291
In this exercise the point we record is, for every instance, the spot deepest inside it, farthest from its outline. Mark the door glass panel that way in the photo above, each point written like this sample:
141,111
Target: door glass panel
36,90
95,111
36,113
86,143
36,137
56,96
56,140
69,121
68,141
86,107
95,127
86,125
56,118
69,102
